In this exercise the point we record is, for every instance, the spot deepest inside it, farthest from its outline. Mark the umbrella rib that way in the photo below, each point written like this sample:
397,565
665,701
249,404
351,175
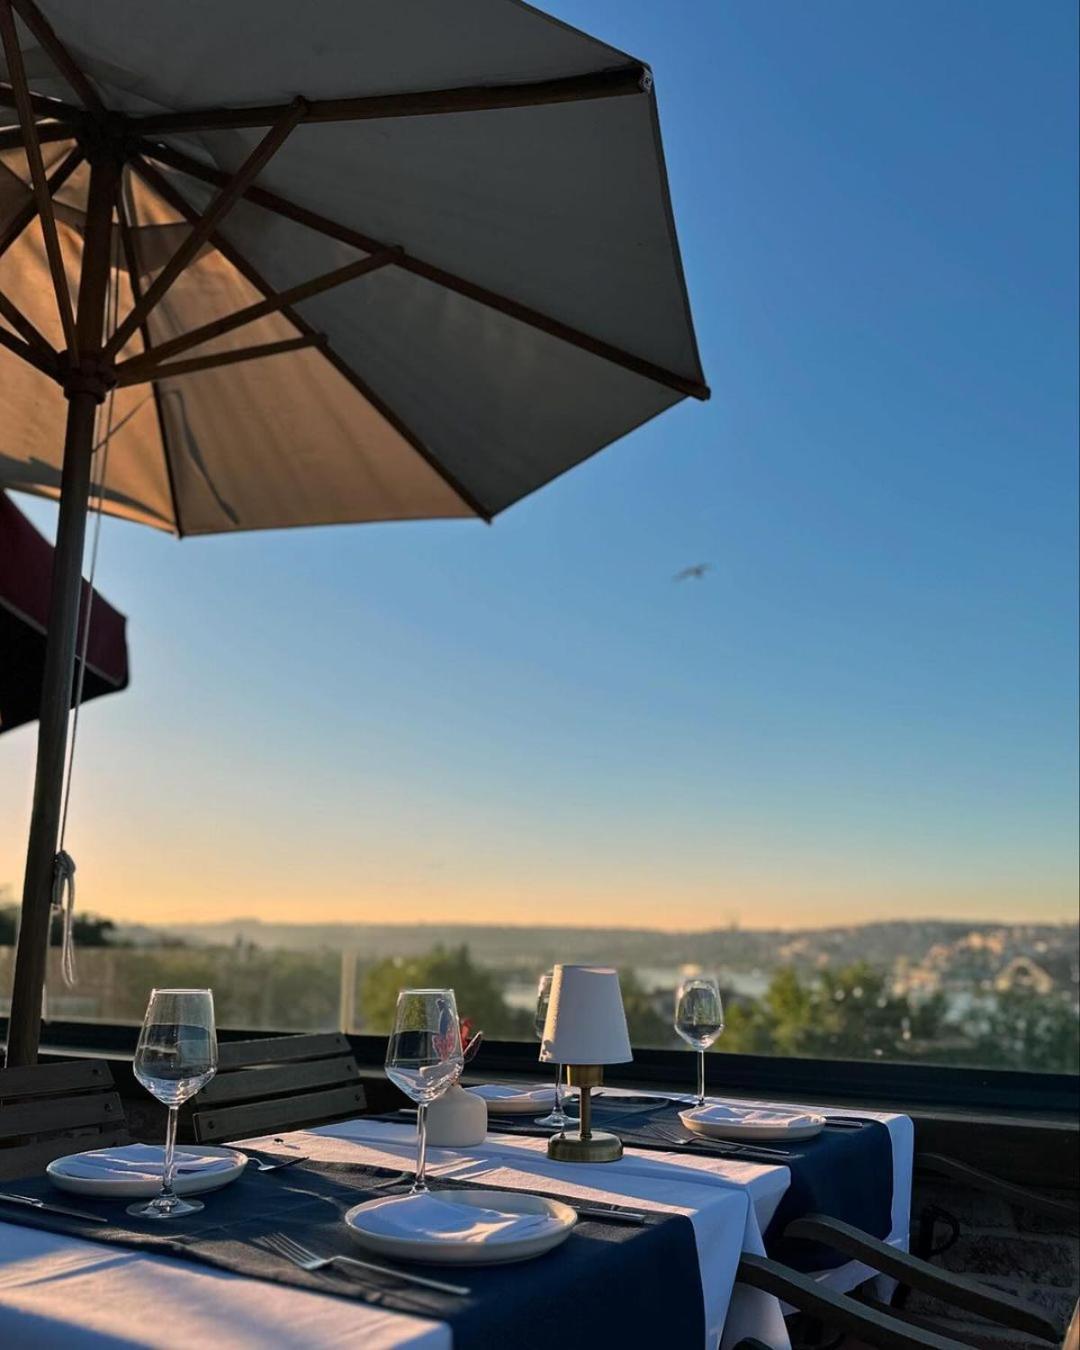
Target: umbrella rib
14,228
44,105
231,192
176,199
59,54
631,79
13,138
31,355
127,243
147,363
214,359
22,218
22,325
301,215
17,74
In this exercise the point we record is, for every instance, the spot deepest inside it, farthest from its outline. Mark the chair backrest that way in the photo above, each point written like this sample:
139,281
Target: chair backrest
283,1082
47,1110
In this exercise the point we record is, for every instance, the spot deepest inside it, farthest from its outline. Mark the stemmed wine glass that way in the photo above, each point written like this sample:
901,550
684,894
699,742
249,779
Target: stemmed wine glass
699,1020
557,1118
424,1057
176,1057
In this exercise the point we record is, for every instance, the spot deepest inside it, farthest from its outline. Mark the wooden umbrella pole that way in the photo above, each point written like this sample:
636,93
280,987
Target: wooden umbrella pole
84,388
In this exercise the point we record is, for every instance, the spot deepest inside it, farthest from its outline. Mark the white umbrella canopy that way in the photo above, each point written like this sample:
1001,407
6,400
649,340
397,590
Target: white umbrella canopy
399,259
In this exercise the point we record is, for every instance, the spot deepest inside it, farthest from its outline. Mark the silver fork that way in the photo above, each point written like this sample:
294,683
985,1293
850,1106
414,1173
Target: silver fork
306,1259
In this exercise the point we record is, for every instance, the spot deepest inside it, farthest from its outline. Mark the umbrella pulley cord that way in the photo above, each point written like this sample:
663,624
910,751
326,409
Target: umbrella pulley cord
63,885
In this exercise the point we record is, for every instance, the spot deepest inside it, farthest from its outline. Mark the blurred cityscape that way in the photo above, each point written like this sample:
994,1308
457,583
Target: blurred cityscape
984,994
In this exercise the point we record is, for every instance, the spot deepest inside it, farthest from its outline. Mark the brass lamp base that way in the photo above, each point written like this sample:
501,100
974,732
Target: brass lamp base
599,1147
585,1145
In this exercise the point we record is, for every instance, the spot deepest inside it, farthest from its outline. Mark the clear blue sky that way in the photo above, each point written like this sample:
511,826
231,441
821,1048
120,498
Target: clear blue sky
867,709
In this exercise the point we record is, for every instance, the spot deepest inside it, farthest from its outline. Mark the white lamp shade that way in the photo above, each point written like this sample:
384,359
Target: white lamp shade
586,1023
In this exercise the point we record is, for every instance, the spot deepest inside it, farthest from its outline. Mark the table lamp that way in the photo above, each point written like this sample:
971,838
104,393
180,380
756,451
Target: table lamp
585,1029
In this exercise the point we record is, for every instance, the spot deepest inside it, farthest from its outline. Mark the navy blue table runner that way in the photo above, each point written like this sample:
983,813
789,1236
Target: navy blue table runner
844,1173
609,1283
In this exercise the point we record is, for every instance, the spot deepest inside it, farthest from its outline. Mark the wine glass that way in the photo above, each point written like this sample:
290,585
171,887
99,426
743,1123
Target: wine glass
557,1118
424,1057
176,1057
699,1019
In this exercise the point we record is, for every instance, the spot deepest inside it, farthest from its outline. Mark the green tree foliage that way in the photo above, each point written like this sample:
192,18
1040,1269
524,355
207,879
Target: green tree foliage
90,930
1027,1030
646,1025
848,1013
479,997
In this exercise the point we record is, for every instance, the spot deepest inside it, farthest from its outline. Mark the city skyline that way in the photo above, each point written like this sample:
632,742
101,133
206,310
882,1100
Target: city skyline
866,707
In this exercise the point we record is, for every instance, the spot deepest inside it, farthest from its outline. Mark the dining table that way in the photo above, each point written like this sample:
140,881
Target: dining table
59,1289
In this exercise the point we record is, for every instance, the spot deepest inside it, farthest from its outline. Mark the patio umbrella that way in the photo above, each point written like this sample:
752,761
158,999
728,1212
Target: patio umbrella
26,562
390,260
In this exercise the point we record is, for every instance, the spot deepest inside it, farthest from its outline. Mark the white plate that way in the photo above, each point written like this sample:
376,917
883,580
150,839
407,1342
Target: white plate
449,1226
715,1121
504,1100
138,1170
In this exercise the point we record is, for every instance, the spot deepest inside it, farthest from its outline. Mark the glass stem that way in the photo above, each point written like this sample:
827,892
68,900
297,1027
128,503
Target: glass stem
558,1090
420,1184
169,1168
701,1078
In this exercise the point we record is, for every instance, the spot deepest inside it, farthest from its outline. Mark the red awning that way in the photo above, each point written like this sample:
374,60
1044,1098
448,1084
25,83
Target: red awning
26,561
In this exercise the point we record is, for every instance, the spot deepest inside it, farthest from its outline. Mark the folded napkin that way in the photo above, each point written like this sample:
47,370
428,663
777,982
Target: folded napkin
436,1217
133,1162
775,1118
502,1092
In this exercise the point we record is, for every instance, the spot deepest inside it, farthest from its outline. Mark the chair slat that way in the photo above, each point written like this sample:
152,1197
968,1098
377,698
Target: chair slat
247,1084
236,1122
836,1309
958,1290
59,1113
280,1049
48,1110
40,1080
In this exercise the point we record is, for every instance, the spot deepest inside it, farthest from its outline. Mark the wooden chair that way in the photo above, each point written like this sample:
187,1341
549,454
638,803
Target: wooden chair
874,1323
889,1326
281,1083
47,1110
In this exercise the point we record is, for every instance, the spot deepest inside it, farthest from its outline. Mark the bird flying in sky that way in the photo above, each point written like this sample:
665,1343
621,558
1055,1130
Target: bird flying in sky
697,571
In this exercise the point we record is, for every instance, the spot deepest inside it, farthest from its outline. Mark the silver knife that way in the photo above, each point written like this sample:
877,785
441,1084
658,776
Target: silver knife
9,1198
633,1216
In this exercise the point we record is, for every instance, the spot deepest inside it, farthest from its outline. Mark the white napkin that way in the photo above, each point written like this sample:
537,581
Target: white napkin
133,1162
436,1218
503,1092
776,1118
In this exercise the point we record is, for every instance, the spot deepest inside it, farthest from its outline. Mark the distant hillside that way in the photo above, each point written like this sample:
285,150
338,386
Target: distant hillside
530,947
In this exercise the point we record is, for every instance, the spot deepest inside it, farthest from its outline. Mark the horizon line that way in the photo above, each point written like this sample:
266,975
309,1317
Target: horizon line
586,927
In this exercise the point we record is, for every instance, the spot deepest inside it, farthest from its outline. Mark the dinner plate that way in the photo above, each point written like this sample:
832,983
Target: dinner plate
461,1227
715,1120
132,1171
504,1100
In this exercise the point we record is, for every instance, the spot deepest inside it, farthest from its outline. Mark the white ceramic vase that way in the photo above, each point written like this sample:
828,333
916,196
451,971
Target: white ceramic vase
457,1119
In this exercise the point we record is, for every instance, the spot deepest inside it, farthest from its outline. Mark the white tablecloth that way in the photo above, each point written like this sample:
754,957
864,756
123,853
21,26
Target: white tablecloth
59,1291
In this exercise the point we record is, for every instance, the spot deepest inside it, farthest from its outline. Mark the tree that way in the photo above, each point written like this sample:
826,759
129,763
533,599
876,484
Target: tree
90,930
647,1027
479,997
1033,1031
849,1013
